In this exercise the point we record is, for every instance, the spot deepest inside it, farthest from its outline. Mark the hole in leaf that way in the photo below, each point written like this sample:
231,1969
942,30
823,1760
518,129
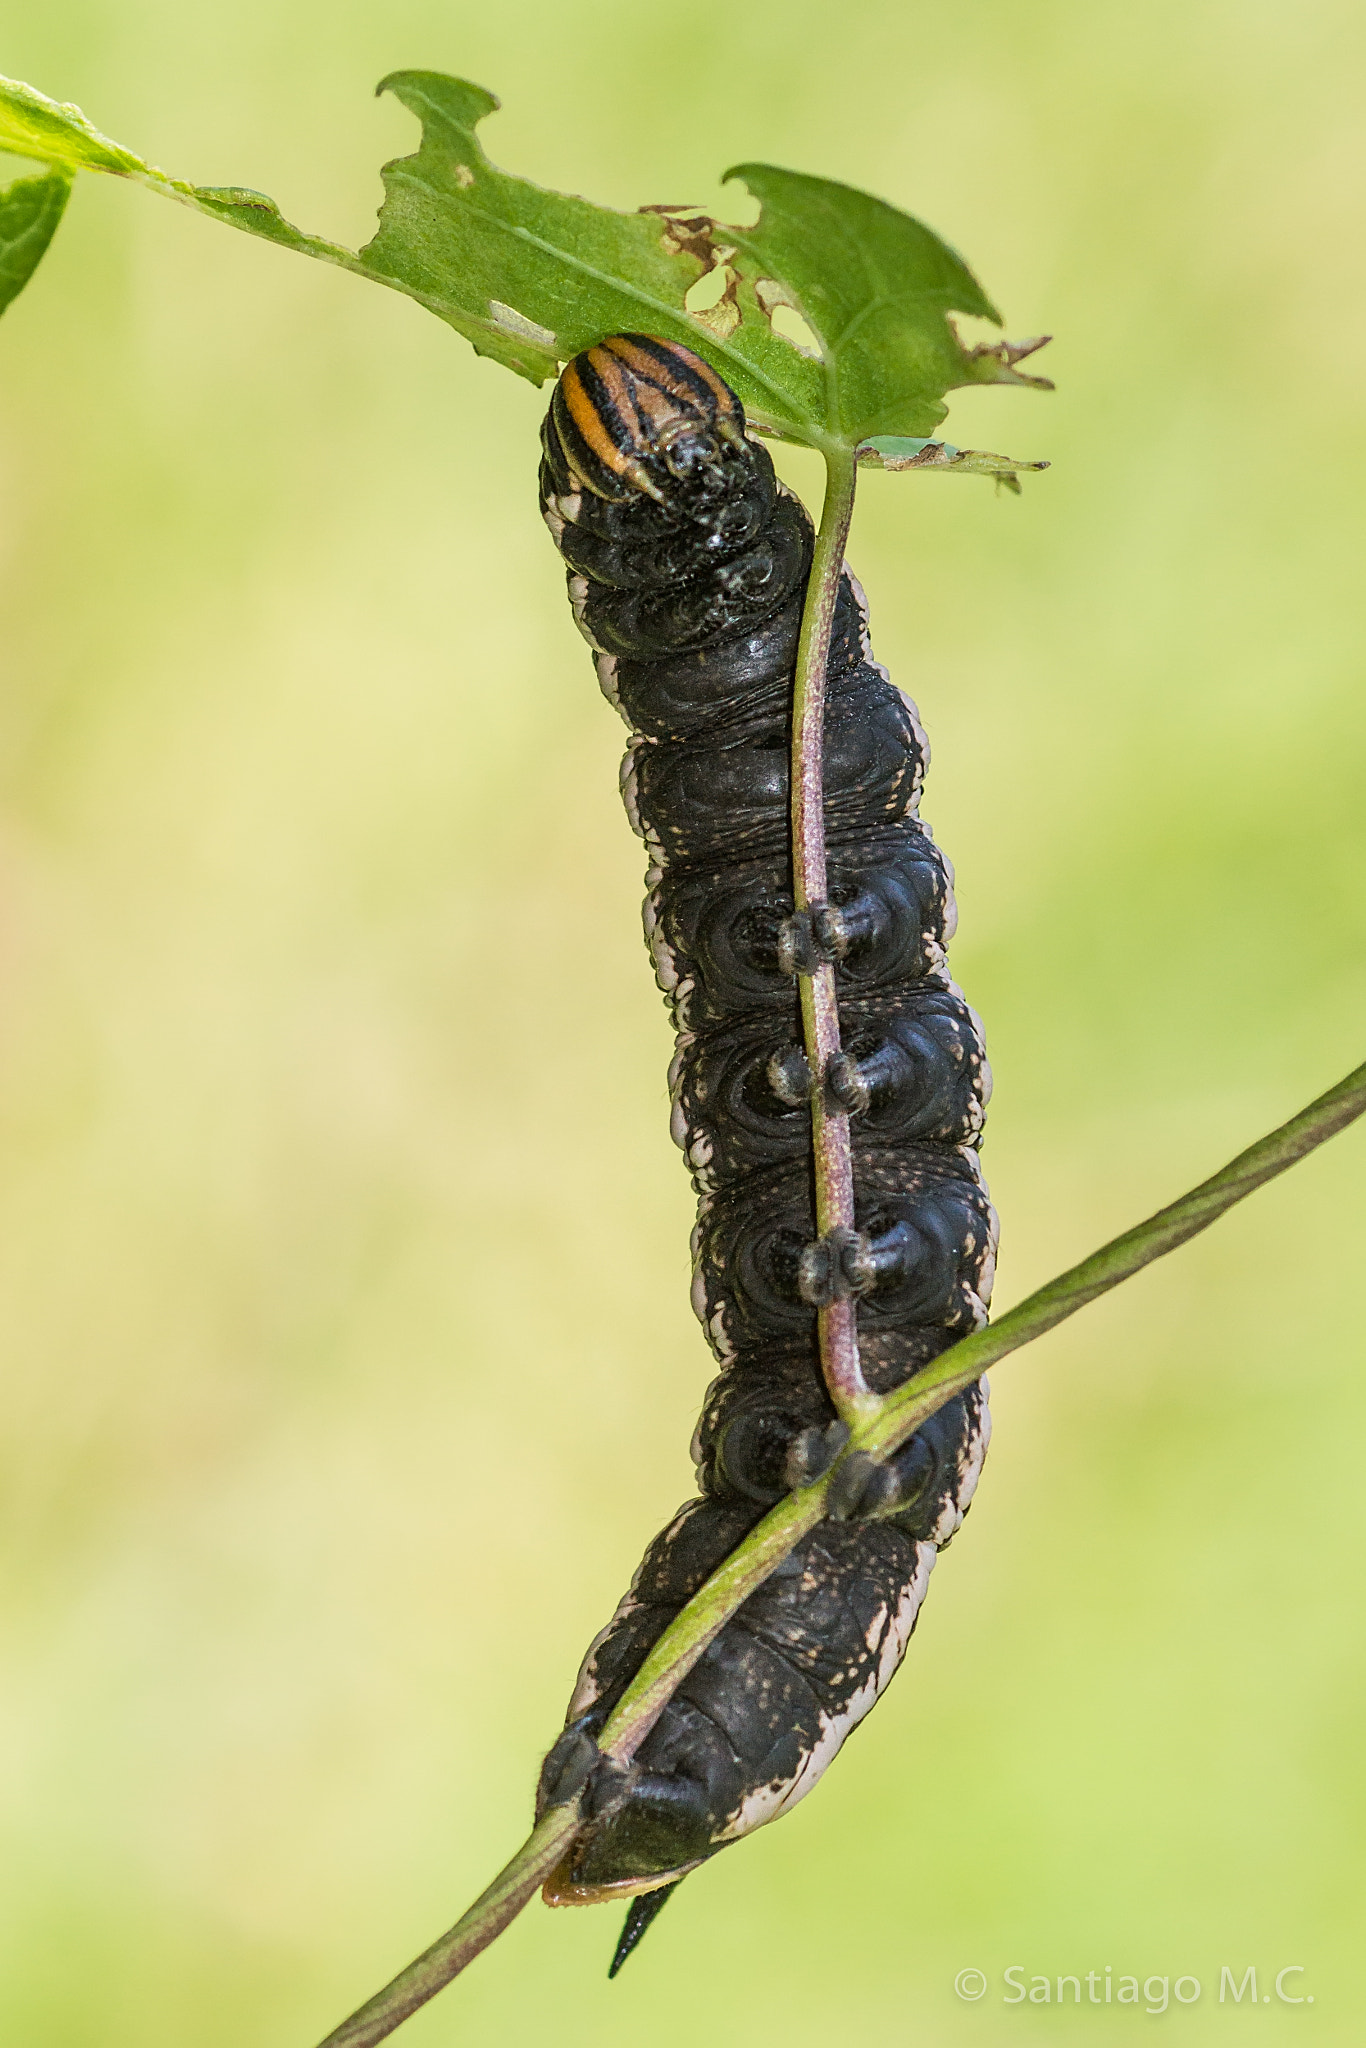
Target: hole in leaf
712,300
973,332
788,322
784,318
710,288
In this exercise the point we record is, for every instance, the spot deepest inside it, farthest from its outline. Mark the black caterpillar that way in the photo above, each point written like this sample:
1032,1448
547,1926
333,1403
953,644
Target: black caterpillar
688,566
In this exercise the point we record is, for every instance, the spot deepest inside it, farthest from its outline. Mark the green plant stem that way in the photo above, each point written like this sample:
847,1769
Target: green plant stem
684,1641
837,1324
484,1922
1117,1261
901,1413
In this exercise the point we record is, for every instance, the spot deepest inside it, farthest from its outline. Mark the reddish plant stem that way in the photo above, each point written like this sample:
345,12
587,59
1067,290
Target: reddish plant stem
837,1325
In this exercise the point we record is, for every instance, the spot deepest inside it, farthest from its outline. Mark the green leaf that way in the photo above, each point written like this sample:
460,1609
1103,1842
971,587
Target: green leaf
29,212
533,276
530,276
33,125
874,287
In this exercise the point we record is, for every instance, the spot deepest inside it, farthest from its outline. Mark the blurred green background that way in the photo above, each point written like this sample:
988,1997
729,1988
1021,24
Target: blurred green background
349,1361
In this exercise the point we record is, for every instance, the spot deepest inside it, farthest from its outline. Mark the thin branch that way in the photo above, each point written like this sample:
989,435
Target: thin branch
684,1641
837,1324
1119,1260
491,1912
687,1637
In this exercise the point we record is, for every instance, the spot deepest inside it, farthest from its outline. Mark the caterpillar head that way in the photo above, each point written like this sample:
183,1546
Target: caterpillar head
636,415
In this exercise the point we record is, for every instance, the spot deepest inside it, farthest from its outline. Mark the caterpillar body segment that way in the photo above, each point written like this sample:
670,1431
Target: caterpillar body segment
914,1072
687,565
714,929
755,1722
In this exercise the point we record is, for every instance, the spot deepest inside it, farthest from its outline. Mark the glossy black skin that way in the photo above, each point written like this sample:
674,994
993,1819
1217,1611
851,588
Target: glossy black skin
928,1222
720,922
919,1062
728,793
695,608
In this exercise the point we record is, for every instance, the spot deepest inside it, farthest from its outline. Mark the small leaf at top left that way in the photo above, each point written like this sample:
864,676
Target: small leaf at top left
29,212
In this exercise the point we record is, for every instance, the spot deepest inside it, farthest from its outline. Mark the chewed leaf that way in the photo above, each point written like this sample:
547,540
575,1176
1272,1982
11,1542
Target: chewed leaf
459,233
876,289
896,451
30,210
993,362
831,317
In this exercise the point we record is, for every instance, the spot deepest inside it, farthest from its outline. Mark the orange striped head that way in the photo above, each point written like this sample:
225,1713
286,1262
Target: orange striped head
632,411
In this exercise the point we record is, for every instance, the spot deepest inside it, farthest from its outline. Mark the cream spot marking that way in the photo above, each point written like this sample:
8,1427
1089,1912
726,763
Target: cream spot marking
661,952
872,1635
513,322
974,1455
766,1802
697,1294
578,597
586,1689
971,1456
606,665
678,1123
861,608
699,1154
629,793
780,1795
908,1607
